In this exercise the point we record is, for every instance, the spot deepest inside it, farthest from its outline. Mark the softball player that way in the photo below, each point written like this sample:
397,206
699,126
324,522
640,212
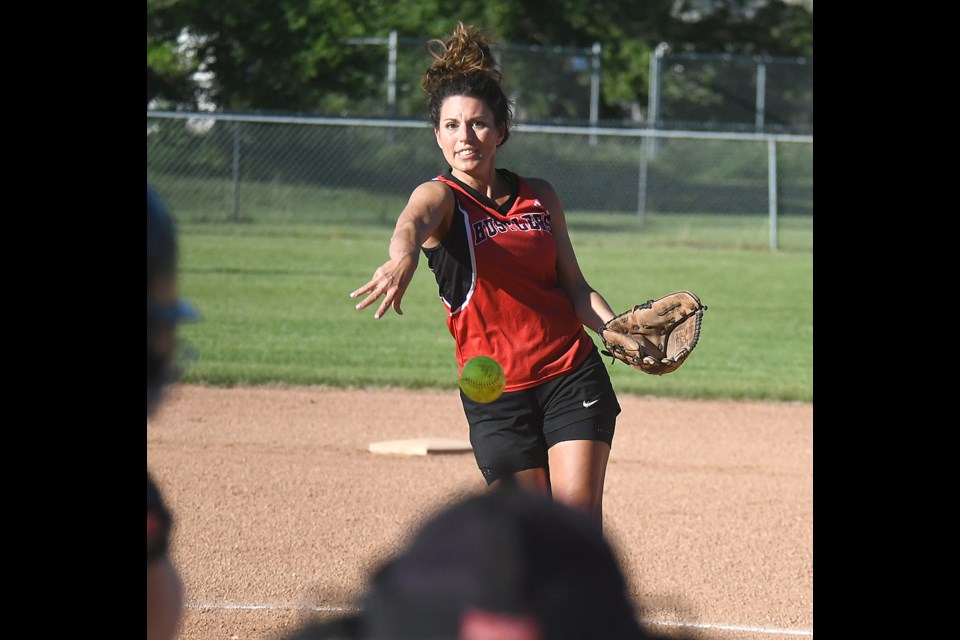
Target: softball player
508,277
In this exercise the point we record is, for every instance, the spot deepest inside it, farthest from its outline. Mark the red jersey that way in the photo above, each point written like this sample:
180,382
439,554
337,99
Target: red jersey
497,273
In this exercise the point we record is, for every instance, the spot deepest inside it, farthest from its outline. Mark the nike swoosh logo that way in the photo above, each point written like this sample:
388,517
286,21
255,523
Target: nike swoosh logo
591,403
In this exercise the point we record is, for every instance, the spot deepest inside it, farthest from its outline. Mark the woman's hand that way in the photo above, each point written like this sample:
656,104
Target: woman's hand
389,281
426,218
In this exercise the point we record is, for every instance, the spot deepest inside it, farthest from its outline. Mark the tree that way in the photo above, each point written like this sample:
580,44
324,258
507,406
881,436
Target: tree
765,28
264,55
293,55
169,70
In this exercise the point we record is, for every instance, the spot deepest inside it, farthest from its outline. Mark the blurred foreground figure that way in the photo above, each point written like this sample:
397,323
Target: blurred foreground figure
165,310
508,564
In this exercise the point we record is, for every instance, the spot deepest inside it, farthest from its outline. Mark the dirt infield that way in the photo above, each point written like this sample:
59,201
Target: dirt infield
282,511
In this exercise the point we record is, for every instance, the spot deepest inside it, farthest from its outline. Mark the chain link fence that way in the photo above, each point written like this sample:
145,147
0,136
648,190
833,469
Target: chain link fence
724,136
562,86
234,168
734,93
550,85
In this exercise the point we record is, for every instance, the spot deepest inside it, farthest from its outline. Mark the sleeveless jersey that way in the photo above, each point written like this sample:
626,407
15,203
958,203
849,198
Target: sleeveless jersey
496,269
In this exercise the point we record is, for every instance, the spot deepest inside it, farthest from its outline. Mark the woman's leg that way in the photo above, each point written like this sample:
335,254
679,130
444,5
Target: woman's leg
535,480
577,472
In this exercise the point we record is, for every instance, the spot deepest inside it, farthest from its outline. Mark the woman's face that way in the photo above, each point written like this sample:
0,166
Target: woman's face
468,134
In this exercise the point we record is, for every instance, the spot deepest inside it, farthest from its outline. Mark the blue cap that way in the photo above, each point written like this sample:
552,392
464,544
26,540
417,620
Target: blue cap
180,311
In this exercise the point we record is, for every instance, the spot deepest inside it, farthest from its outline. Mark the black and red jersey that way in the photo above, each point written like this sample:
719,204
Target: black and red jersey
496,269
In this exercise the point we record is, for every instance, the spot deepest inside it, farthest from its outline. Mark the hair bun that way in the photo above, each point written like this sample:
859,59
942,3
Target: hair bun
466,51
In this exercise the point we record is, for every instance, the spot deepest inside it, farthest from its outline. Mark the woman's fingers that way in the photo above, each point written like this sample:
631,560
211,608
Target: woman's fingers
389,281
385,286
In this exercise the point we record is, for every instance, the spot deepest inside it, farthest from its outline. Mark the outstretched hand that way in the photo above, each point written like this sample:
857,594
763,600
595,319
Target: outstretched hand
390,281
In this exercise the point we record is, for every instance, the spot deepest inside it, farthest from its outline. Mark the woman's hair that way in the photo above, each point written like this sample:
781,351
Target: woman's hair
464,66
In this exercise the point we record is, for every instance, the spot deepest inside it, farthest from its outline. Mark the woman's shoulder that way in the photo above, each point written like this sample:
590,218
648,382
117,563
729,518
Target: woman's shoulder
434,187
432,194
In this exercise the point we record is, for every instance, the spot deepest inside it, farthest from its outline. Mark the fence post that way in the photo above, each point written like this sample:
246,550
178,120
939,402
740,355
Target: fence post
642,189
391,42
595,91
656,77
772,189
761,93
649,144
392,74
391,81
235,213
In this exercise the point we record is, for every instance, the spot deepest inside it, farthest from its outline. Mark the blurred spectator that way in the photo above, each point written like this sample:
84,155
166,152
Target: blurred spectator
165,310
507,564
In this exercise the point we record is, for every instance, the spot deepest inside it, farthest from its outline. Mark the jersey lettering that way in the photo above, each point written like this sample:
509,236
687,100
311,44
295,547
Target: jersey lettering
489,227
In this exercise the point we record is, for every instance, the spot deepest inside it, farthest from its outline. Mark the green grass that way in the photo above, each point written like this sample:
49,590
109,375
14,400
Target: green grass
275,305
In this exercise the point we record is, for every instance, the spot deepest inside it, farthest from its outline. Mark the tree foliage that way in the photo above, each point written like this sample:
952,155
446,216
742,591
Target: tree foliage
743,27
294,56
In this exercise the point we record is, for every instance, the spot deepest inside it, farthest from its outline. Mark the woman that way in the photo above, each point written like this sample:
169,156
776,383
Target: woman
508,276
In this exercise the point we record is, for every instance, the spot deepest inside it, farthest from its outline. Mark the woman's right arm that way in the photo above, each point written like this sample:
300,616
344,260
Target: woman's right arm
425,219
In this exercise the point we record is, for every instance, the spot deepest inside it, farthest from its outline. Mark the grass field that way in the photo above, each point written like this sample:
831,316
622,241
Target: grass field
275,305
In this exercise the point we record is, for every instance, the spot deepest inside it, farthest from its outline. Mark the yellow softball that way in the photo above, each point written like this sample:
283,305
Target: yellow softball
482,379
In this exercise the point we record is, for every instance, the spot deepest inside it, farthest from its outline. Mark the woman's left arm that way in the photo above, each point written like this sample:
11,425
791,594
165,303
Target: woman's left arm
591,307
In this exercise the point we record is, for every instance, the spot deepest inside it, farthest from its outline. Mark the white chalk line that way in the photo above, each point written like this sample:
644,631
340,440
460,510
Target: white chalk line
339,609
727,627
278,607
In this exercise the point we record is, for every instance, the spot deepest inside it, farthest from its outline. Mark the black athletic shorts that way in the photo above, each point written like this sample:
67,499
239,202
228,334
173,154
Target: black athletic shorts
514,432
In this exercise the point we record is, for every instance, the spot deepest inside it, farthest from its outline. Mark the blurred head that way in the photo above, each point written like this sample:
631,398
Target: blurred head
507,563
165,309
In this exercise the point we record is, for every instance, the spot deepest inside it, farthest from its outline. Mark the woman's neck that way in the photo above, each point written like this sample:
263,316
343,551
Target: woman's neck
489,183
